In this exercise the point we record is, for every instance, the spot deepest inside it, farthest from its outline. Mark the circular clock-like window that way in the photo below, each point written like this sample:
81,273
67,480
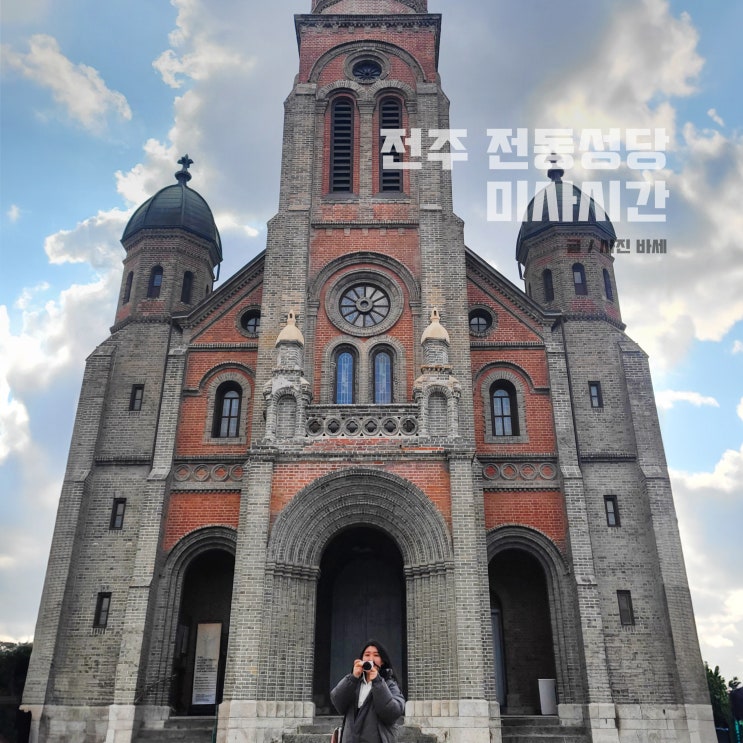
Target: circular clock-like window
367,70
364,305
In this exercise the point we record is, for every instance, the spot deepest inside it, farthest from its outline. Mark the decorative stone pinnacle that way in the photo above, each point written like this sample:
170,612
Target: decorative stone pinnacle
435,331
290,333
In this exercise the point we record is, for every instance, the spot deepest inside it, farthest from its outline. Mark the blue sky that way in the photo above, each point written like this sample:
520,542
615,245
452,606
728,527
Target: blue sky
99,100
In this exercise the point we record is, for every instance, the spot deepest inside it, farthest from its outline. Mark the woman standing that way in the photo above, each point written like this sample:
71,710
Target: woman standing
369,698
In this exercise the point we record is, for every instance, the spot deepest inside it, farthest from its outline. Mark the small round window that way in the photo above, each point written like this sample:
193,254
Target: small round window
250,322
367,71
480,322
364,305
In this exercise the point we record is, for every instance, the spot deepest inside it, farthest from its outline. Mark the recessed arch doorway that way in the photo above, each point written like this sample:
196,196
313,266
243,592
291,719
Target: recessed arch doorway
202,633
360,595
522,630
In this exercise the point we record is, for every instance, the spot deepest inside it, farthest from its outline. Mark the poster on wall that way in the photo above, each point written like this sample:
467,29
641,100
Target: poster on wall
206,663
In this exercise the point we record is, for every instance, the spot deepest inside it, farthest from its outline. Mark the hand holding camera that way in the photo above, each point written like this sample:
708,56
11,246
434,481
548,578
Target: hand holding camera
367,668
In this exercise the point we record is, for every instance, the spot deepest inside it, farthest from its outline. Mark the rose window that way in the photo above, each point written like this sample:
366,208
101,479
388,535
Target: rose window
364,305
367,71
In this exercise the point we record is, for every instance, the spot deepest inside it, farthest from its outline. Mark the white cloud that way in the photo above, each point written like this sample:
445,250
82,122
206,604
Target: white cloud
14,213
666,399
624,90
740,409
709,506
15,434
94,241
738,347
712,113
29,293
77,87
727,476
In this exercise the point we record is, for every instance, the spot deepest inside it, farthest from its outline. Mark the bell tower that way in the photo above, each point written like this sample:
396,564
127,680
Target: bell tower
565,245
172,249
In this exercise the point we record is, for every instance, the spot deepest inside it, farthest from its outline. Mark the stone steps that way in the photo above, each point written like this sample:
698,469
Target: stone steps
179,730
547,729
320,730
514,729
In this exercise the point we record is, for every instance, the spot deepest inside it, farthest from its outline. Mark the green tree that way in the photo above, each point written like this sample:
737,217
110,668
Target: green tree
13,668
719,696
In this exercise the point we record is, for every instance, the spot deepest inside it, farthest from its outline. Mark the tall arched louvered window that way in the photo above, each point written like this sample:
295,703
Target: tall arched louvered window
128,288
187,288
345,377
156,282
382,362
390,117
341,146
579,279
504,409
607,286
549,289
227,411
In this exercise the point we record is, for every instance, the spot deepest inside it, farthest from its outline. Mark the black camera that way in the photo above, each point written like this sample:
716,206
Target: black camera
367,665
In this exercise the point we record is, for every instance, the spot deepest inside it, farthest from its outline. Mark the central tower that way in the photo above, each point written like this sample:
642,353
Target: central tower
364,366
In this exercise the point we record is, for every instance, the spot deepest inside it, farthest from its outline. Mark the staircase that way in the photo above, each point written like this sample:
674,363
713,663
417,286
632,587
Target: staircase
320,730
515,730
545,729
179,730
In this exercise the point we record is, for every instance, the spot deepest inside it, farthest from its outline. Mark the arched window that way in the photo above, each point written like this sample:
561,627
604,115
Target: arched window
128,287
187,287
607,286
156,282
227,411
341,146
549,289
579,279
345,377
390,117
504,409
382,362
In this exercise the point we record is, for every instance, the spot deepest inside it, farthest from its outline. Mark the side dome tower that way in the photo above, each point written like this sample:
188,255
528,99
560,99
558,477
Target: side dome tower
172,248
565,246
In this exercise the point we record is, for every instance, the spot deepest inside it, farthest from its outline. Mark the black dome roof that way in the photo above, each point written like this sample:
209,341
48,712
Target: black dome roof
549,207
177,206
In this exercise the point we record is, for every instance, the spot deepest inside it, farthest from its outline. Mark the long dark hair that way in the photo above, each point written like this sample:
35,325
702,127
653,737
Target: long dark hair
386,672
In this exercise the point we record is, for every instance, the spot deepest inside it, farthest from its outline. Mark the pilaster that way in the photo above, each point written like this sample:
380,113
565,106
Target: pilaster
130,669
246,652
62,553
651,460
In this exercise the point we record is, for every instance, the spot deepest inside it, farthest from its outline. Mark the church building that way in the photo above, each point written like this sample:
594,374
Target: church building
367,431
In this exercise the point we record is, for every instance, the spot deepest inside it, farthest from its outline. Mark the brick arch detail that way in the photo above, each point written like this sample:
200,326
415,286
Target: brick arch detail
358,48
212,380
562,598
331,504
227,371
161,653
516,376
350,260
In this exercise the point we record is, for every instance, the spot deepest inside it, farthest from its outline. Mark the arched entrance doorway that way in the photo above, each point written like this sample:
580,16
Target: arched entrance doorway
203,629
360,595
522,630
